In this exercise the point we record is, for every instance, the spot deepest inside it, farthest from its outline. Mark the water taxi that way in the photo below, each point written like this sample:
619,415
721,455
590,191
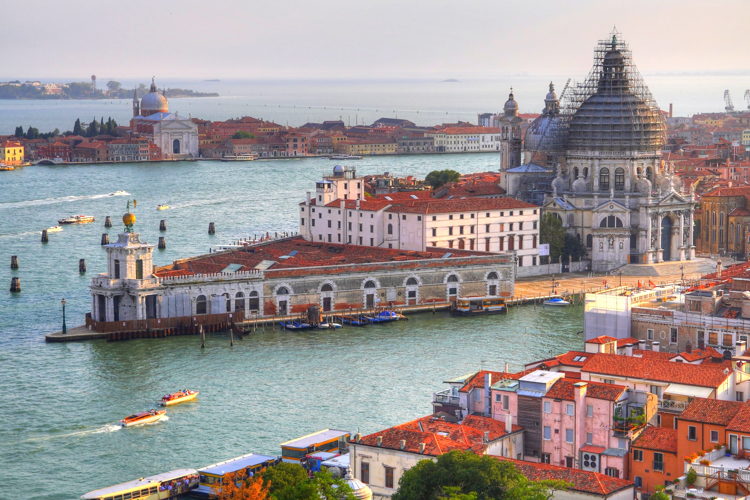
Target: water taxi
345,157
54,229
296,450
178,397
165,485
385,317
77,219
471,306
212,476
556,301
163,207
144,417
240,157
6,168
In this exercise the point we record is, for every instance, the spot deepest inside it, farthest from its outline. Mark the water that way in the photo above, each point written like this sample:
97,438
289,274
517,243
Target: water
61,402
425,102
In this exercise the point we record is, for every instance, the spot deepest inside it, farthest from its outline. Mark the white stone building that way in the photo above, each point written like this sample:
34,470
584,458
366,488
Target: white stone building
465,139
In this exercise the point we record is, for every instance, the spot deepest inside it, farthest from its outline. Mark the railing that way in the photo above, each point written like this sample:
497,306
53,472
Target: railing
445,397
164,323
672,405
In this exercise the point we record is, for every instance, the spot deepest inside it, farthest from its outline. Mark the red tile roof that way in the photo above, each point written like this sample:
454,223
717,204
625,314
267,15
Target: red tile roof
601,339
570,358
741,421
696,354
368,205
657,438
662,355
467,130
565,389
593,483
443,206
627,341
703,375
711,411
477,380
438,436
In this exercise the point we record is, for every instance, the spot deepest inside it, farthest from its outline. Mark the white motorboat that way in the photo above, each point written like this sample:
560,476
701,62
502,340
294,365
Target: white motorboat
163,207
54,229
329,326
556,301
345,157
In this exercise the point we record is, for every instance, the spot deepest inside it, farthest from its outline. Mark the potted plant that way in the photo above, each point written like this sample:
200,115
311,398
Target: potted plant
691,477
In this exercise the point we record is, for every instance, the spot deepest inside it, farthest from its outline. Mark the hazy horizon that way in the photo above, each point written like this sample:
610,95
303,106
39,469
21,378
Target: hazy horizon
366,40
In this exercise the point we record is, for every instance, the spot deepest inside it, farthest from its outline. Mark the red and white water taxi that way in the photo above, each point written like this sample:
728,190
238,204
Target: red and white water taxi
144,417
179,397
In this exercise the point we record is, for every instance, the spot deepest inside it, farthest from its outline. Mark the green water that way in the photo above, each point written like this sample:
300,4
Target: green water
60,401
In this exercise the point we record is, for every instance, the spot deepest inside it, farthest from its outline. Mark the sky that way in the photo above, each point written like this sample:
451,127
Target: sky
352,39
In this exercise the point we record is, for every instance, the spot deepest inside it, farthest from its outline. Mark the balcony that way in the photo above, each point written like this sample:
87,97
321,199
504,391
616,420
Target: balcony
672,405
445,398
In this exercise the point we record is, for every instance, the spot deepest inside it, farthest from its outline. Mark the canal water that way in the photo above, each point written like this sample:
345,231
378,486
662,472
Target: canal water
60,402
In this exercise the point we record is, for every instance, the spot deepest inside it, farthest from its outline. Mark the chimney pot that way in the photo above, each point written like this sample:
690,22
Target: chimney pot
655,346
402,444
379,440
422,447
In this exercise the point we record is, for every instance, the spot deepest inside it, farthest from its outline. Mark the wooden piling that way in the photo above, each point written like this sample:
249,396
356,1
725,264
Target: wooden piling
211,228
15,285
45,238
14,261
108,221
105,239
162,225
203,336
82,266
162,243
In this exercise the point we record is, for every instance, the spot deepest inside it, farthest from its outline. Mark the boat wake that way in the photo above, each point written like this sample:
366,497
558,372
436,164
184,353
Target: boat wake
19,235
61,199
87,432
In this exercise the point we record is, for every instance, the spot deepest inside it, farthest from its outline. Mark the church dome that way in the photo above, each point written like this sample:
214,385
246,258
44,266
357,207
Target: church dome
511,106
153,102
579,185
619,114
559,184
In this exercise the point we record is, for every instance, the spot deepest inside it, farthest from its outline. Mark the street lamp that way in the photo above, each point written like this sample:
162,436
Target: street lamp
65,328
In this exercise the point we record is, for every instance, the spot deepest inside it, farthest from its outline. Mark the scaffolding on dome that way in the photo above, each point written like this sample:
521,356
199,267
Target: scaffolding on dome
613,108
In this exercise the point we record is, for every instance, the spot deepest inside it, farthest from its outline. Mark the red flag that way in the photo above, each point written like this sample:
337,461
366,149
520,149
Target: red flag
651,284
639,283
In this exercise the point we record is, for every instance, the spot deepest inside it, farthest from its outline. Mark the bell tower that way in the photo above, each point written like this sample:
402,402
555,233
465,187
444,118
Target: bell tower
136,104
510,134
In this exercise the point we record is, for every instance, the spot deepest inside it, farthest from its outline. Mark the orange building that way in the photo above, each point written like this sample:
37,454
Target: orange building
703,424
654,460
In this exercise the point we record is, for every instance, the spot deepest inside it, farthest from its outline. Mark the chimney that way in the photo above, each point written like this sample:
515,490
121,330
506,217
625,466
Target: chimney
486,438
655,346
740,347
688,348
671,109
508,423
422,447
309,197
357,437
342,204
357,204
379,441
402,444
642,345
487,395
507,367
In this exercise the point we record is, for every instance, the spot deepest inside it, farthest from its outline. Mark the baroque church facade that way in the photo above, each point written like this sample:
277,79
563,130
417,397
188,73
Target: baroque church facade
177,137
601,157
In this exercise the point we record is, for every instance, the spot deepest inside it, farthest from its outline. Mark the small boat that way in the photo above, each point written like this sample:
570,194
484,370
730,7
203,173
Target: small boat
178,397
355,320
163,207
172,484
54,229
296,325
6,168
472,306
556,301
144,417
119,193
345,157
240,157
77,219
329,326
386,317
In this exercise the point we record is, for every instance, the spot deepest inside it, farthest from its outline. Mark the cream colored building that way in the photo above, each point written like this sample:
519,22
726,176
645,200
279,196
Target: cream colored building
466,139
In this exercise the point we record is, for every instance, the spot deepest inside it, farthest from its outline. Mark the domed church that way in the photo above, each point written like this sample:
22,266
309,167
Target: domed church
611,187
177,137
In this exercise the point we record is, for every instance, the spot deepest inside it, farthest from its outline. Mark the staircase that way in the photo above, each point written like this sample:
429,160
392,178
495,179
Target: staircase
690,267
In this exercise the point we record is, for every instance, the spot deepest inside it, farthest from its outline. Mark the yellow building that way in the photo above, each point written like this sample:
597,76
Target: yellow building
11,153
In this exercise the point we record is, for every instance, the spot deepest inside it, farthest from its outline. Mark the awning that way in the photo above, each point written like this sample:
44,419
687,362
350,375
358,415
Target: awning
690,391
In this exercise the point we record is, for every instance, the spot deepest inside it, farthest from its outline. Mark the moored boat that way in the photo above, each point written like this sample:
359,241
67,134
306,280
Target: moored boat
385,317
144,417
170,484
178,397
240,157
345,157
77,219
556,301
54,229
328,325
355,320
163,207
4,167
296,325
471,306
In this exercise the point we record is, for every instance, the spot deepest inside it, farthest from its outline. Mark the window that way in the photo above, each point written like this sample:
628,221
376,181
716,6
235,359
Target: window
619,179
604,179
116,266
638,481
714,436
691,433
139,269
364,472
612,471
655,389
658,462
746,443
546,458
589,410
506,403
727,340
589,437
568,435
650,334
200,305
388,476
739,396
253,302
547,407
570,409
239,302
547,432
638,455
673,335
434,231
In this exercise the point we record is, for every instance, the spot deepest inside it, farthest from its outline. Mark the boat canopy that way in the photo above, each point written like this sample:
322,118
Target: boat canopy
143,482
324,436
235,464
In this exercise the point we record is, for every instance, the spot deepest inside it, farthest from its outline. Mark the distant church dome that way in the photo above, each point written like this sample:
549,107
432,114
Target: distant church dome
511,106
620,115
544,133
153,102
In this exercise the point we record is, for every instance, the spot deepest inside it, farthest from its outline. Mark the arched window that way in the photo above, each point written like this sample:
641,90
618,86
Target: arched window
239,302
390,228
571,220
326,288
575,172
611,221
176,146
452,285
452,278
492,276
589,240
370,284
619,178
282,291
200,305
585,172
604,179
649,174
412,282
253,302
116,266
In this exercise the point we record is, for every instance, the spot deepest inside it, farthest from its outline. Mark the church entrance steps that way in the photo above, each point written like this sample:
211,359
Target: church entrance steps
672,268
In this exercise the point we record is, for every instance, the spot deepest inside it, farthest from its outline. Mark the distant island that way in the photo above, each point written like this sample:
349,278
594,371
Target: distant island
450,80
84,90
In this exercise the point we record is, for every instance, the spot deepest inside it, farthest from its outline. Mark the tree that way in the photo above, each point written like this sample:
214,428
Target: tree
552,232
77,128
237,486
437,178
241,134
573,248
691,477
32,133
113,85
660,494
19,132
291,482
463,475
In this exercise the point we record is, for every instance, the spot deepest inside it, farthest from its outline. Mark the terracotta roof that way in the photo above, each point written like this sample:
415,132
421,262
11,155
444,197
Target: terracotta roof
729,191
477,380
711,375
711,411
467,130
657,438
438,436
696,354
627,341
368,205
593,483
739,212
565,389
570,358
662,355
601,339
741,421
443,206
